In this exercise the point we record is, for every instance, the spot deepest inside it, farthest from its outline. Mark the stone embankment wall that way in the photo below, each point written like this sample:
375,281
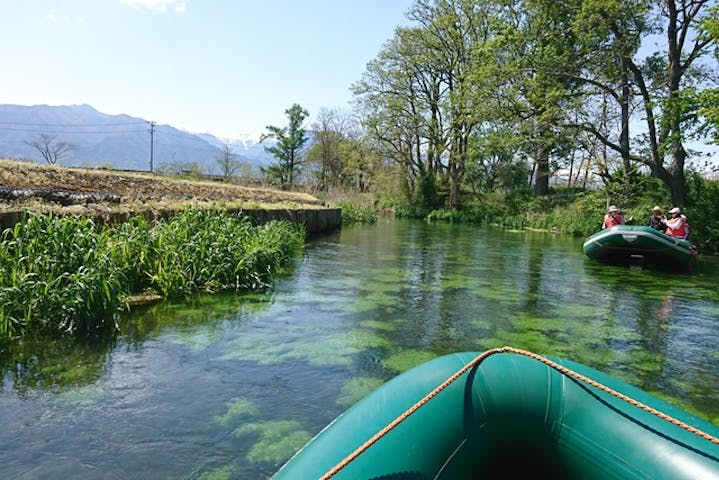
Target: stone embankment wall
315,220
106,208
319,220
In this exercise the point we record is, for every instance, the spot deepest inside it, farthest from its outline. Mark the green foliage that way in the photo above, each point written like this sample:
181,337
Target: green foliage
65,274
703,212
427,197
56,275
477,93
466,215
579,212
355,213
288,149
201,251
131,245
409,211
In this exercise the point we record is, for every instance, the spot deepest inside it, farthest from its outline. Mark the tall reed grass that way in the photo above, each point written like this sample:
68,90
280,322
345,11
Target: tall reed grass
55,274
67,274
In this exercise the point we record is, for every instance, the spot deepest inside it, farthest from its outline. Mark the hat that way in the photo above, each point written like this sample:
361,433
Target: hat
613,208
657,209
675,210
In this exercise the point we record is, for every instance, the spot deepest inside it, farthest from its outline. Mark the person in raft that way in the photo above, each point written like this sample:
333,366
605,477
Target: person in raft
656,220
613,217
677,226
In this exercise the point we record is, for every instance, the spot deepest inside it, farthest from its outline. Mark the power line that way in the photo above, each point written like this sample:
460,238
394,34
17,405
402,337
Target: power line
75,132
104,124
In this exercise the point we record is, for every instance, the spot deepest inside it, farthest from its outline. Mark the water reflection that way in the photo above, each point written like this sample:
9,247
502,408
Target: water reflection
40,365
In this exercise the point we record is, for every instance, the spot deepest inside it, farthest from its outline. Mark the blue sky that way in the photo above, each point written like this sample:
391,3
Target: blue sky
228,67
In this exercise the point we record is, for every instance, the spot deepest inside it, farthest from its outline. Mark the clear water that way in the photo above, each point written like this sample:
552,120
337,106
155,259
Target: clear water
230,386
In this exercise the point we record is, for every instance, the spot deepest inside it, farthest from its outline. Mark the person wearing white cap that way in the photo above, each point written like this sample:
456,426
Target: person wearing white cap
613,217
656,221
677,225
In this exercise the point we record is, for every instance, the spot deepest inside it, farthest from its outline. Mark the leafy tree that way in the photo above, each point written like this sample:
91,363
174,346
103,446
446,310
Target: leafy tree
360,166
495,164
392,107
418,99
330,132
559,80
709,98
50,150
289,147
664,81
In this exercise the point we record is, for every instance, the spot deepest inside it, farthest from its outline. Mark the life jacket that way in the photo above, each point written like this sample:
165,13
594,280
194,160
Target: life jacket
610,221
677,227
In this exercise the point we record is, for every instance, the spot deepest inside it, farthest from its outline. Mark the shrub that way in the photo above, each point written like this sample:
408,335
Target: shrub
355,213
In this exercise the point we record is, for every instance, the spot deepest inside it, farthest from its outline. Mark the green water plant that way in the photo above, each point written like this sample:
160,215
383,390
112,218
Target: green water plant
56,274
237,408
204,252
68,274
276,440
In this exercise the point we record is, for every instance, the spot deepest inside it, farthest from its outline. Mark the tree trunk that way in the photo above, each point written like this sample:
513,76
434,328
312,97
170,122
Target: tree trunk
624,135
541,180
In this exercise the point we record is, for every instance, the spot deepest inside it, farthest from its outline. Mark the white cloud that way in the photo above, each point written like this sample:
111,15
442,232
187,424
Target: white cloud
179,6
51,17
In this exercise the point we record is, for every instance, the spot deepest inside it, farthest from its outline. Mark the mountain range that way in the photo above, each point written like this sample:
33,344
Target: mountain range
118,141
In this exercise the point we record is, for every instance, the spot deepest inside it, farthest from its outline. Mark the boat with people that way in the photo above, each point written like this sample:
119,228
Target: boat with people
508,412
623,244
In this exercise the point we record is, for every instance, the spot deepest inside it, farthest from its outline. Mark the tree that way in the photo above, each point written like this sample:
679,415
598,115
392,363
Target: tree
418,98
330,132
709,98
665,81
228,161
50,150
389,98
289,147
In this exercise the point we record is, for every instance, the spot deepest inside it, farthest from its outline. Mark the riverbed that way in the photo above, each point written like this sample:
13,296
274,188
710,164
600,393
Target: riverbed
230,385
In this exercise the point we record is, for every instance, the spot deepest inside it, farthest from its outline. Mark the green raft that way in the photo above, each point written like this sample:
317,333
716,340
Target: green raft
506,414
639,244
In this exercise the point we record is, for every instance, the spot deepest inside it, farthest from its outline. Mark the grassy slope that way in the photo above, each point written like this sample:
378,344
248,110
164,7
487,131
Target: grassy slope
137,191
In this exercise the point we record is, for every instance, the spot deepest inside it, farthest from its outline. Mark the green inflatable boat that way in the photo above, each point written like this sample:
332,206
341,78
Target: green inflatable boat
638,244
507,413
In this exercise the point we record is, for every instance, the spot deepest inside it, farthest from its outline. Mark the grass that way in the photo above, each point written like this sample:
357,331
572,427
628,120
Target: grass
64,268
105,192
66,274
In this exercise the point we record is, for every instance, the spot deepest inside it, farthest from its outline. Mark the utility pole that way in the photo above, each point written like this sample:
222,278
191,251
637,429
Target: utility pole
152,144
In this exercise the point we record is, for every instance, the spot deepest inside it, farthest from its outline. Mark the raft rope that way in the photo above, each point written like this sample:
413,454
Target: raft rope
479,359
653,250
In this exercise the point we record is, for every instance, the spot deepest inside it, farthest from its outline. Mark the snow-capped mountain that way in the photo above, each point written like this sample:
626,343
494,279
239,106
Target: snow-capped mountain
119,141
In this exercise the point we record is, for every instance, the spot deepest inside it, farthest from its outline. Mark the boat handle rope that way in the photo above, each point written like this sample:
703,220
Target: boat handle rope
664,249
479,359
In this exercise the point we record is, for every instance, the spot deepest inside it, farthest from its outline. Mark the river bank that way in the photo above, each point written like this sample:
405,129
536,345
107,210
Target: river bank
83,244
108,196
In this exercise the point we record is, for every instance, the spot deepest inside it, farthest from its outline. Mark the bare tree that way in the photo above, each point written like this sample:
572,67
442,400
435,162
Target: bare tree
50,150
229,164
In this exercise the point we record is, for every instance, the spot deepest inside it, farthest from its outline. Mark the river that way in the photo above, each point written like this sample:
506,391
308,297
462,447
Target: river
229,386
